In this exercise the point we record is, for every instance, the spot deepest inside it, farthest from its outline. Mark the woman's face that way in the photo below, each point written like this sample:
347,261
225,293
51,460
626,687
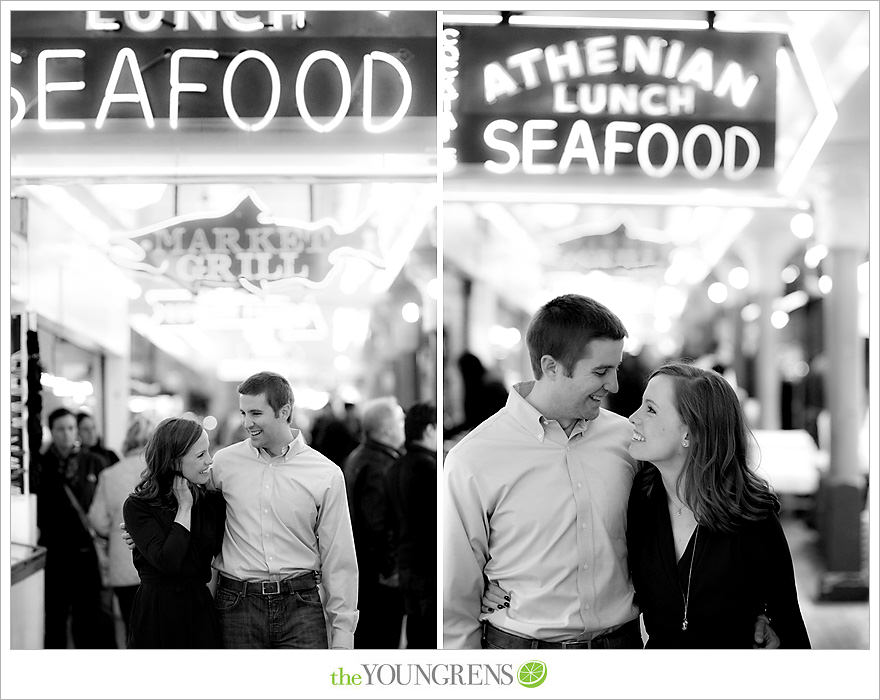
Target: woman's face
195,465
658,430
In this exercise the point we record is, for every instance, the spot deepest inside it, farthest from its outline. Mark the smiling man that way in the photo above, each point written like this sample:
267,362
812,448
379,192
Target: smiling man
287,530
536,498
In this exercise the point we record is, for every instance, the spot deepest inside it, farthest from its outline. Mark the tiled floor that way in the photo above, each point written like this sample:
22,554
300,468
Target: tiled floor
831,625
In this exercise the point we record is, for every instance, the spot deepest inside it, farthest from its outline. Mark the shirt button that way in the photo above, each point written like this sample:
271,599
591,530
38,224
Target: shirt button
579,484
584,527
265,510
587,566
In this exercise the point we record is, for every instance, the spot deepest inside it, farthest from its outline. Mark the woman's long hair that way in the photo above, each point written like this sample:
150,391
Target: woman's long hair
166,447
716,482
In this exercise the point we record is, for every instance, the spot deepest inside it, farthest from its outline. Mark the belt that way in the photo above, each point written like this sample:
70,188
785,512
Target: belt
609,640
303,582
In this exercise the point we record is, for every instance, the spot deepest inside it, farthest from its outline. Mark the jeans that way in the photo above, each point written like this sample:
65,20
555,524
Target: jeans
627,636
278,621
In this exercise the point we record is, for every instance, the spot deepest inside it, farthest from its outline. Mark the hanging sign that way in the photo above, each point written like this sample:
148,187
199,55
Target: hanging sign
546,101
247,68
246,247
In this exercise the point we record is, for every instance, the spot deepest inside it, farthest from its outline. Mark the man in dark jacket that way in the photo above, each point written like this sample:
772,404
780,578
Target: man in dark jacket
412,490
66,485
373,525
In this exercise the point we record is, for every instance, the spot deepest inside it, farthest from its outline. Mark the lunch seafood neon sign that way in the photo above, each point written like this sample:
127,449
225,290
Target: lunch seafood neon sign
547,101
195,67
245,247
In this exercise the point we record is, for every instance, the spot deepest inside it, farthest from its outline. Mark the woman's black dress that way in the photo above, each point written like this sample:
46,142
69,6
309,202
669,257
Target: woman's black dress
173,608
734,576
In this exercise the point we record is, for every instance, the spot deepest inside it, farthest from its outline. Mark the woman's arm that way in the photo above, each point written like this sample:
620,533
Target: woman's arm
782,608
164,550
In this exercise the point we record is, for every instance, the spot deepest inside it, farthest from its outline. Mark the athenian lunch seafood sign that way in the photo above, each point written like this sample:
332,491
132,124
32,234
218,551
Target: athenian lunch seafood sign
246,247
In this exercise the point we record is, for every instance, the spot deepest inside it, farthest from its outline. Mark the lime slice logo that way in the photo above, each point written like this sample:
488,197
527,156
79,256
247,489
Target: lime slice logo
531,674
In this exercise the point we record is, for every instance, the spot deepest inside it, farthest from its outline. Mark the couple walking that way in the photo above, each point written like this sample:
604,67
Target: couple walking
564,521
269,512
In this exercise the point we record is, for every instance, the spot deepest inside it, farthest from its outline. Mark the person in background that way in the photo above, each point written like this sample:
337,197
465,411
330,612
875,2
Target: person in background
375,535
115,483
65,483
335,437
484,395
91,441
177,528
412,490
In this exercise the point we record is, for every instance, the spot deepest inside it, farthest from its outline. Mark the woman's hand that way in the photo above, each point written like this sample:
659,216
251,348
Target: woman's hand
182,493
765,636
494,598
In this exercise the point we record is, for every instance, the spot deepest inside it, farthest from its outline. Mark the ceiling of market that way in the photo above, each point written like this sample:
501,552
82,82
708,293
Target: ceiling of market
673,239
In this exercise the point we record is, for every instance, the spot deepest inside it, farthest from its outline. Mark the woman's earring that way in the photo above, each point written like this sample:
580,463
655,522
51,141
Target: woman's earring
684,442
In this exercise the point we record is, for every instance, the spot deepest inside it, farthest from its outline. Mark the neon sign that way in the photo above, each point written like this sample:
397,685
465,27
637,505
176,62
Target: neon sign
555,101
245,247
126,64
74,71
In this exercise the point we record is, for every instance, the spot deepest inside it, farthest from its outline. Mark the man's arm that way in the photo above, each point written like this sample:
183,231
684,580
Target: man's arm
465,553
338,564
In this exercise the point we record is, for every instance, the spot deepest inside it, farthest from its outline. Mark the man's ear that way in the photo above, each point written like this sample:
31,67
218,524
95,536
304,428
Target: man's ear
549,366
286,411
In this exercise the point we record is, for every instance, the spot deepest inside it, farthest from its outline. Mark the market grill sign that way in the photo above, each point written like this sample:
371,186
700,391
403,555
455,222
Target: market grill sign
546,101
245,67
246,247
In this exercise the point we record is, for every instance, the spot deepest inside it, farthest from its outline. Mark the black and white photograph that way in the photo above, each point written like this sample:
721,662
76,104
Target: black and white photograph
468,350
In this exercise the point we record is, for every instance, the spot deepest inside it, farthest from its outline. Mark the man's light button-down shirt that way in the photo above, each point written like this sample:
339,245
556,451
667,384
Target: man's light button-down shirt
527,506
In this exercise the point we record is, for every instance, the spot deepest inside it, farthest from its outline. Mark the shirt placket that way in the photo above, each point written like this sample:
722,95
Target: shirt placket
586,587
267,487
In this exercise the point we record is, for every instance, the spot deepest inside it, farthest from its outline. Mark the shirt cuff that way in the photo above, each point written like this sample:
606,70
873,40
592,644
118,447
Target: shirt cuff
342,640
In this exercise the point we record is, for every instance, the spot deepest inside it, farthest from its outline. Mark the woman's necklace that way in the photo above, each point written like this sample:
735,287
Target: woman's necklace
687,596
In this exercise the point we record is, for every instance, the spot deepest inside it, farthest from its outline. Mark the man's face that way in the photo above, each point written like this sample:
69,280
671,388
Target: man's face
88,433
263,426
593,377
64,433
396,433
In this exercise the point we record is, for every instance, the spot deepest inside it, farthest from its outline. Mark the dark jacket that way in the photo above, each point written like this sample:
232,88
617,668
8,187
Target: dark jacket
373,526
57,519
412,491
734,576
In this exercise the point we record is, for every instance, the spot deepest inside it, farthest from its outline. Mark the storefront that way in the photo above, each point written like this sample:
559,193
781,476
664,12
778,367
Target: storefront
202,195
703,174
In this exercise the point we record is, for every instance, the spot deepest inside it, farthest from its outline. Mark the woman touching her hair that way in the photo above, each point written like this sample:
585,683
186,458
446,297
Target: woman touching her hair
177,528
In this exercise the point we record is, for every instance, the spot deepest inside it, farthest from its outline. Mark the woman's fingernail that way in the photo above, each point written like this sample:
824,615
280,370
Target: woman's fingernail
507,597
500,606
507,605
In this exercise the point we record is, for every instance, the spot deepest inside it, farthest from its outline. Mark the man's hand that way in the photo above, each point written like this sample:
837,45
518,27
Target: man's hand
126,537
765,636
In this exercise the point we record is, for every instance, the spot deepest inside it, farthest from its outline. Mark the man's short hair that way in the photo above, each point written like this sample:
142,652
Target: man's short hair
417,419
376,412
564,325
56,414
276,388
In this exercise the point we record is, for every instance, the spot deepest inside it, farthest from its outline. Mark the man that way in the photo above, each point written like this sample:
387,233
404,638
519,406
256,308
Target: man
375,534
287,529
412,490
65,487
91,441
536,498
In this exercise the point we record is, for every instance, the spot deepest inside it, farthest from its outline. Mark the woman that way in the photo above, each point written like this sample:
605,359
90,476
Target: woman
706,550
105,513
707,554
177,528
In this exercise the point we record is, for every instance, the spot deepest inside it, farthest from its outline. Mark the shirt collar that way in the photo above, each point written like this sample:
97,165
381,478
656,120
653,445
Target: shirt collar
296,445
530,417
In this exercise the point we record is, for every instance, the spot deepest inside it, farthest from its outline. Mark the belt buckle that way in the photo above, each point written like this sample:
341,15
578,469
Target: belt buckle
270,587
577,644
